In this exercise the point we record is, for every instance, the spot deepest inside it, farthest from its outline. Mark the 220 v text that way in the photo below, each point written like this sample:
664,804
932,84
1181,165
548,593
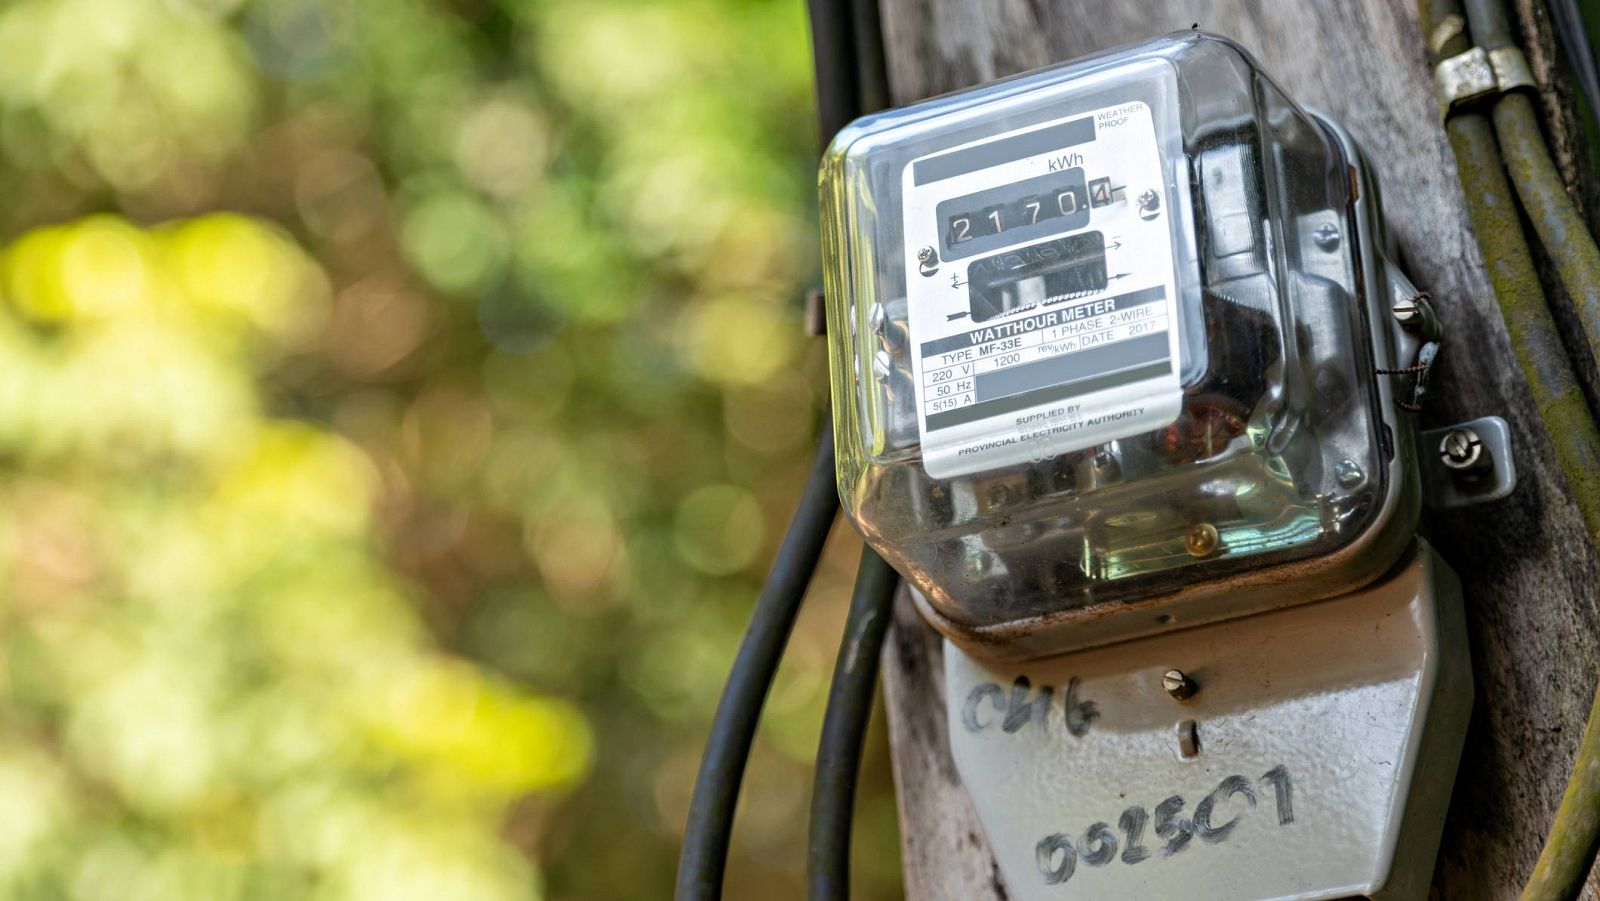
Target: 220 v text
1058,855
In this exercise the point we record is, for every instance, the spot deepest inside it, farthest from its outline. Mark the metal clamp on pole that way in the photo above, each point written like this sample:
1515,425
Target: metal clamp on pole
1477,74
1511,69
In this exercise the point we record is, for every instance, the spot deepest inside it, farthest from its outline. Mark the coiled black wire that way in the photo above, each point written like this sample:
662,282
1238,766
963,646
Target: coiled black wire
833,53
716,789
844,730
855,675
871,66
704,858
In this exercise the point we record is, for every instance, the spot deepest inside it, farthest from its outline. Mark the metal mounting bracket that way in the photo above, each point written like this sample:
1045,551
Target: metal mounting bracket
1469,463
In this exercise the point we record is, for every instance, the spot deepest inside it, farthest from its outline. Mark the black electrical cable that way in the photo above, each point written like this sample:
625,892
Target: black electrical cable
855,675
844,730
872,68
733,729
1567,21
833,49
704,858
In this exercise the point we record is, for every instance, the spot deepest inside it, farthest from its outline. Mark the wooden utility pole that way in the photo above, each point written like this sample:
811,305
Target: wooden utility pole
1530,573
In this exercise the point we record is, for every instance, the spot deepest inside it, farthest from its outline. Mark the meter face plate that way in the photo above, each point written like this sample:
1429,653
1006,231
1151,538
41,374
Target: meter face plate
1326,738
1042,291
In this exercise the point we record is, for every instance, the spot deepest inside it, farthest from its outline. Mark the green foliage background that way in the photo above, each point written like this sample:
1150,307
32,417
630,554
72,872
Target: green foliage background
400,400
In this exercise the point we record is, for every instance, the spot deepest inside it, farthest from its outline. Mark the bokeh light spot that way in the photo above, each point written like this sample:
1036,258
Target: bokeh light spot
455,241
719,529
738,339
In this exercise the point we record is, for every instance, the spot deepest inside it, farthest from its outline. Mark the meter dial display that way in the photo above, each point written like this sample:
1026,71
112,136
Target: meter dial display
1048,325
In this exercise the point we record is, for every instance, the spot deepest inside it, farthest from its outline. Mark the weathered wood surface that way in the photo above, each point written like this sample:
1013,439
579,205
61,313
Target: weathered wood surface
1530,573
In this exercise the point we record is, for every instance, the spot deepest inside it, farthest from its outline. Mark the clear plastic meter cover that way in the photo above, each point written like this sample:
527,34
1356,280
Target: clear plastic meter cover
1095,334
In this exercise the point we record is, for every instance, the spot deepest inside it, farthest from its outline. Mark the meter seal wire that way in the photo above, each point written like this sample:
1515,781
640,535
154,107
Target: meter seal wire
1427,355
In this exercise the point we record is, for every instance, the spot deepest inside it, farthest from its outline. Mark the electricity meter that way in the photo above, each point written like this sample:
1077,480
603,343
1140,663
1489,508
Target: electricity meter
1098,339
1116,364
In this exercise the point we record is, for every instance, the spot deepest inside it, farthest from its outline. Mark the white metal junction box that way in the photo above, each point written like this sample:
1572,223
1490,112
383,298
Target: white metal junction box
1315,761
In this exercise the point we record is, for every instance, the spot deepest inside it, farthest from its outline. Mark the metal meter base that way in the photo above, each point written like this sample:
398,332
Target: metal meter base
1304,753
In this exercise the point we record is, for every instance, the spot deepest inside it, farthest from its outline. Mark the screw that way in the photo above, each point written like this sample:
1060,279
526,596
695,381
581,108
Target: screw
979,564
1462,451
1189,739
1202,540
1348,474
1178,684
1408,313
1149,202
1326,237
927,255
882,365
999,496
877,317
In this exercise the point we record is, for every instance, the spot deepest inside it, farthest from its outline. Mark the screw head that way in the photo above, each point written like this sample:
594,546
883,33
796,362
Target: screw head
877,317
979,564
882,366
1462,450
1178,684
998,495
1202,540
1348,474
1326,237
1149,202
1408,313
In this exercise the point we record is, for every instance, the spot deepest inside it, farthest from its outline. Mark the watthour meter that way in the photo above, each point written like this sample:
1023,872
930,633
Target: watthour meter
1123,386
